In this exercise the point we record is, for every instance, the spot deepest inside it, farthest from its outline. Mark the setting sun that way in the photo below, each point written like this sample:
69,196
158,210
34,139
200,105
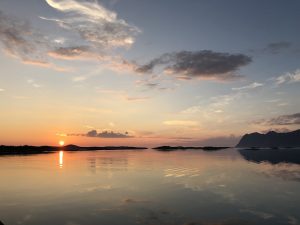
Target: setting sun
61,143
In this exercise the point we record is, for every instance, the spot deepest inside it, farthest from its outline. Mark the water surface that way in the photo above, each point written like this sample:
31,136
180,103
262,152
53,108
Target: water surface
150,188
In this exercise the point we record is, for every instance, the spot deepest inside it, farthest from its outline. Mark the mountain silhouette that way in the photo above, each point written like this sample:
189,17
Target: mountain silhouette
270,140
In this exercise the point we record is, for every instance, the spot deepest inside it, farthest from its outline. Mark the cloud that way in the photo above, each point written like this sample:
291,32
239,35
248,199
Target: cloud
220,101
263,215
61,134
292,119
111,124
180,123
274,48
33,83
292,220
156,82
1,89
20,40
135,99
150,83
92,31
289,77
46,65
278,130
203,64
121,65
217,104
250,86
132,200
122,95
277,47
75,53
94,23
104,134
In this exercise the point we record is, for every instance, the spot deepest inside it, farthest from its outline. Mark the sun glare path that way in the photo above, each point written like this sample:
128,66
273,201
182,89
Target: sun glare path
61,159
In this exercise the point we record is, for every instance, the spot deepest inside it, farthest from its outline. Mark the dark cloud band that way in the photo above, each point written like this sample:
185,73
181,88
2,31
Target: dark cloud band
103,134
204,64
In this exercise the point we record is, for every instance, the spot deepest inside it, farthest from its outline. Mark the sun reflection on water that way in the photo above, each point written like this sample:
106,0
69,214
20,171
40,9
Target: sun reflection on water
61,159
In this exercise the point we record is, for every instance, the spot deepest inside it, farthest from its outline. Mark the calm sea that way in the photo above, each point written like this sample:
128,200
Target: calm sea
227,187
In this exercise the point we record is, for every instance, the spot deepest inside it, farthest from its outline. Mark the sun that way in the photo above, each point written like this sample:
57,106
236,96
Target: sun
61,143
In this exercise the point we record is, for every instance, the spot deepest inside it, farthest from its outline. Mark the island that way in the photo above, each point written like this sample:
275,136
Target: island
27,149
271,139
174,148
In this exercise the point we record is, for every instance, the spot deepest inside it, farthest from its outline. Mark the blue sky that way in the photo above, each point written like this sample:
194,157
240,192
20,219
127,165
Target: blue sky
179,72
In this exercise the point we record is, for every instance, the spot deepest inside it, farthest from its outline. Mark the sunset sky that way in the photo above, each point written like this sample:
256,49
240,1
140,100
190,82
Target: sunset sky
137,72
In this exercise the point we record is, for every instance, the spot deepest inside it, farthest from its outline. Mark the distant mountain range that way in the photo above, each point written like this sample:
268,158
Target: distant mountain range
270,140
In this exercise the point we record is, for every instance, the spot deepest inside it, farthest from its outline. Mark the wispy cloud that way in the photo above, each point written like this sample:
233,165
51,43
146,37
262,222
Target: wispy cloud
288,77
92,32
33,83
250,86
203,64
180,123
100,27
277,47
278,130
156,82
292,119
263,215
224,100
215,109
20,40
123,95
75,53
136,98
274,48
1,89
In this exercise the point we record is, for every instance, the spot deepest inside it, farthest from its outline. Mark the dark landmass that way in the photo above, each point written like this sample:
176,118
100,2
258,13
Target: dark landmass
271,139
1,223
28,150
174,148
273,156
79,148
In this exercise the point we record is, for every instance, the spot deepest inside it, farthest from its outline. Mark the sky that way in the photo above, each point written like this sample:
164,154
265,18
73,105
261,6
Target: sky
137,72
